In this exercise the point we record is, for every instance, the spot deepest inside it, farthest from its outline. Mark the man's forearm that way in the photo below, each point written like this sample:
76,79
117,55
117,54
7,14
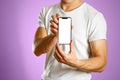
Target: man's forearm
95,64
45,44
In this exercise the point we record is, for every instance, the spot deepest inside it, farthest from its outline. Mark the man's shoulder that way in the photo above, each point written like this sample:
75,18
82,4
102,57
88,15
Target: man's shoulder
50,7
90,11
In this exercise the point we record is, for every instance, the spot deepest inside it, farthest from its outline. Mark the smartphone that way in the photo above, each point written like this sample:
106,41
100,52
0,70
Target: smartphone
64,30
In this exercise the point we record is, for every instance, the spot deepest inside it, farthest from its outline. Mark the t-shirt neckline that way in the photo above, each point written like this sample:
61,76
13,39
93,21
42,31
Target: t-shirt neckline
72,11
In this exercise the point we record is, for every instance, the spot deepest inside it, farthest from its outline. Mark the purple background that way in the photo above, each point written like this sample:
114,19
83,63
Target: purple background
18,23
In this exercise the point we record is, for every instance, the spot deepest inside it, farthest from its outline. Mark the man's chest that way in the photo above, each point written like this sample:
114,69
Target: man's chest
79,23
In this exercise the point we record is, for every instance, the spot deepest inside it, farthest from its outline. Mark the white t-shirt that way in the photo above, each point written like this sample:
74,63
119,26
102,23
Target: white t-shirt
89,25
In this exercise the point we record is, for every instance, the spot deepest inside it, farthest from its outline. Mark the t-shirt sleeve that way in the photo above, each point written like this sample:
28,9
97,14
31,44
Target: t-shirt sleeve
41,18
98,28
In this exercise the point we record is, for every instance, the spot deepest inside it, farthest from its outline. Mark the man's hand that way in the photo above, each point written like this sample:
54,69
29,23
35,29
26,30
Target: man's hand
69,59
54,24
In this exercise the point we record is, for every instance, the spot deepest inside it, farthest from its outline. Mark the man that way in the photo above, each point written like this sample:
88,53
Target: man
88,48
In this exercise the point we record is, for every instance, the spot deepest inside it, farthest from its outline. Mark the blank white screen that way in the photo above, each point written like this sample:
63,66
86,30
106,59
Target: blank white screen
64,32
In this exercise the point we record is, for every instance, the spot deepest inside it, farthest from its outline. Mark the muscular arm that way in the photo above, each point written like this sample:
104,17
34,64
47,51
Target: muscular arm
96,63
99,57
43,42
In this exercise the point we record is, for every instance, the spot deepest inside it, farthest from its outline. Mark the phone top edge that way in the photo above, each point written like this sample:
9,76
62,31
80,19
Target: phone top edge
65,17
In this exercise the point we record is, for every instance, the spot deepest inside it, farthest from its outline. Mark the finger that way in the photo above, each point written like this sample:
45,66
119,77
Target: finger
53,30
59,59
60,51
58,55
57,15
54,19
71,46
54,25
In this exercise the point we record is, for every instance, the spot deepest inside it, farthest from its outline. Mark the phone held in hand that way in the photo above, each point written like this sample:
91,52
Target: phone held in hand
64,30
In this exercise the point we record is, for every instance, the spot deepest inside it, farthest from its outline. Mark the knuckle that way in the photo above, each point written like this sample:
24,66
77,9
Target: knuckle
51,21
51,26
55,19
52,16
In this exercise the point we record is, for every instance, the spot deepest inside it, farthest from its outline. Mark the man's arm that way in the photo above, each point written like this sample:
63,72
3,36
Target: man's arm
94,64
43,42
99,57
